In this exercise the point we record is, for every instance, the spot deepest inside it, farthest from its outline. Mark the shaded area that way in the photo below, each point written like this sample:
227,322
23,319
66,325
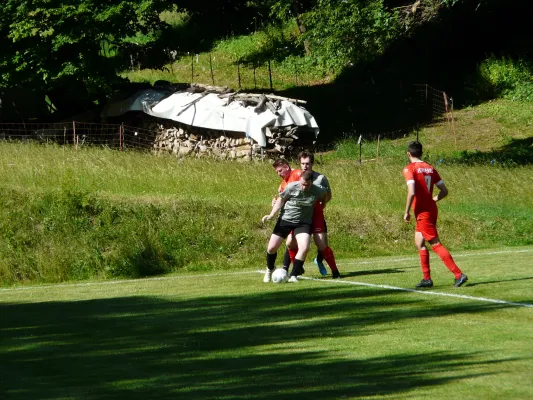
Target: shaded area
516,152
219,347
380,97
500,281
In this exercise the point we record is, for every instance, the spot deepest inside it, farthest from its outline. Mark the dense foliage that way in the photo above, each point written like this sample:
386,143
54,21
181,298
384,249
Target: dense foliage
73,51
53,45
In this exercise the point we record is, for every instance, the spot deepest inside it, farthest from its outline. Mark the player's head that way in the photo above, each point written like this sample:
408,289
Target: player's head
306,179
307,159
282,167
414,149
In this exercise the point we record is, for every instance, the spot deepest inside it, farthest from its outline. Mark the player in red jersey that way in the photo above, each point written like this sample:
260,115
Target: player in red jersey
320,231
421,177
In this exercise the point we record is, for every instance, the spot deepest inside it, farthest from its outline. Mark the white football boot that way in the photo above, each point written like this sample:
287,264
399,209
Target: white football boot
268,276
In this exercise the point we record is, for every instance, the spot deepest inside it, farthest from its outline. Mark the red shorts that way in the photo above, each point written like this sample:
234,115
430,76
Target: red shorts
426,224
319,223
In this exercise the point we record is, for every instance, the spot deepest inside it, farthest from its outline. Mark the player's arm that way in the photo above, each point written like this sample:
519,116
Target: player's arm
277,206
325,184
327,198
443,191
409,201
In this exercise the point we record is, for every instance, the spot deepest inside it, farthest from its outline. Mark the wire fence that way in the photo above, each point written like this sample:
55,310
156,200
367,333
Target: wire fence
437,106
80,134
222,70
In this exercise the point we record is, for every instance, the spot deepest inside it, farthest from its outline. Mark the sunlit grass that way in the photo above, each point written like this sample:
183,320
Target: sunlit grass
70,214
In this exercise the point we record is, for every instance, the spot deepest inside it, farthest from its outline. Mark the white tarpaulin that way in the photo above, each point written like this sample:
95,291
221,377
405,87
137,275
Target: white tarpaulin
211,111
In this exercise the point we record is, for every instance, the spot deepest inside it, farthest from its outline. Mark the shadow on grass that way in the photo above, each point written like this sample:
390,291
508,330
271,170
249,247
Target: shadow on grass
516,152
373,272
234,347
499,281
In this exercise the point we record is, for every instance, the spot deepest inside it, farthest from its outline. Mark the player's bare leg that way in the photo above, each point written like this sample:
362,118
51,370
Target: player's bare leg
303,240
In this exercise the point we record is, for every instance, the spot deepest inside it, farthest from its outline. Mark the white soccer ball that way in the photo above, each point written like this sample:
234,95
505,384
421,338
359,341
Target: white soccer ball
280,276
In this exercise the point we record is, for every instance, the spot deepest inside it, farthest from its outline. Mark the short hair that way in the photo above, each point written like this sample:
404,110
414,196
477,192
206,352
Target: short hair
279,162
415,149
307,175
306,154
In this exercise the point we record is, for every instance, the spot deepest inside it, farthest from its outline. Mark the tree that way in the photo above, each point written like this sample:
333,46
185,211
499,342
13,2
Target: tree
349,31
51,45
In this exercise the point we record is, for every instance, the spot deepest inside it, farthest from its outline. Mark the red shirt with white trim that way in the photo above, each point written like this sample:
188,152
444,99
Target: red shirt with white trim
425,177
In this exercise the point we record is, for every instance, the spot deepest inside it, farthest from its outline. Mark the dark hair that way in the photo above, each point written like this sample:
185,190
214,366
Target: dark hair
415,149
306,154
279,162
307,175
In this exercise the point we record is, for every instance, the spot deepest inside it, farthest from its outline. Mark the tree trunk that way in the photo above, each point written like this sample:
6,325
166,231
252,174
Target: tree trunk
301,27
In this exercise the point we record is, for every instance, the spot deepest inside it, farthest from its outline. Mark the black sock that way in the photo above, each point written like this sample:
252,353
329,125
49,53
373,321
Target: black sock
271,260
286,259
319,256
297,268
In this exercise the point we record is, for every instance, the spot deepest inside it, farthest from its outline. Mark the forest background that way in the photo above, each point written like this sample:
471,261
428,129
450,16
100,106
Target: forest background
359,59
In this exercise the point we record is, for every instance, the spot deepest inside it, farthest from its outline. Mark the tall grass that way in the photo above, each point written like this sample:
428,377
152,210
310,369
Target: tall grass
94,213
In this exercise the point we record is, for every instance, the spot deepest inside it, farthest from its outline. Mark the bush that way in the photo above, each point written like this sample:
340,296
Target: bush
504,78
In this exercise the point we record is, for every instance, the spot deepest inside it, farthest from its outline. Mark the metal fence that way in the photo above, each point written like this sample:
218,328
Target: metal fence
80,134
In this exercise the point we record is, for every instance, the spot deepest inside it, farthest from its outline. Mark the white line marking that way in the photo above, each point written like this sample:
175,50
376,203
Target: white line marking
459,296
67,285
416,259
118,282
424,292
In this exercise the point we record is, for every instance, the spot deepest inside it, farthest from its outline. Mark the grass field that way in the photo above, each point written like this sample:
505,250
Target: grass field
228,335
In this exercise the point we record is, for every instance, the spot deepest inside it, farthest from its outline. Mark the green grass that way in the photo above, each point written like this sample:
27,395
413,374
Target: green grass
497,132
230,336
74,215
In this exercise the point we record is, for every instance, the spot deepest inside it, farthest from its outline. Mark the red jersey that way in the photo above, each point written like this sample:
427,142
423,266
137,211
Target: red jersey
293,177
425,177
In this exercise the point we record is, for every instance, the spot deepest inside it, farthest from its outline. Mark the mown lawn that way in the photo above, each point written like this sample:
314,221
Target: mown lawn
230,336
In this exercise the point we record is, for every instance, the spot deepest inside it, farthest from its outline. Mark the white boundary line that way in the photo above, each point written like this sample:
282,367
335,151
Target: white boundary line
345,282
431,293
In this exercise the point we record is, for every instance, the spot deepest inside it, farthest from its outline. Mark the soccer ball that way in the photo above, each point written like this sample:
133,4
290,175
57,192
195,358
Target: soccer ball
280,276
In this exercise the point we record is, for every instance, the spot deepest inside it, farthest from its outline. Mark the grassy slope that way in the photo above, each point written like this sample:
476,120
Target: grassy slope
99,214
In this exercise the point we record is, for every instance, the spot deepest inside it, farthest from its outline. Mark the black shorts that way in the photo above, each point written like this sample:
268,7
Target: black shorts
283,228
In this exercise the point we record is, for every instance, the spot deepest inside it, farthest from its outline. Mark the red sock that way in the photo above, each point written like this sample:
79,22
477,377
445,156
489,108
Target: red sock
292,254
327,253
447,259
424,263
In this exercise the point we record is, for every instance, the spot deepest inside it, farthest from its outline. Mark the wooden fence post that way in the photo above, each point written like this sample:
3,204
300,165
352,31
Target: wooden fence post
377,149
211,67
270,74
360,142
192,68
120,134
74,137
255,80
